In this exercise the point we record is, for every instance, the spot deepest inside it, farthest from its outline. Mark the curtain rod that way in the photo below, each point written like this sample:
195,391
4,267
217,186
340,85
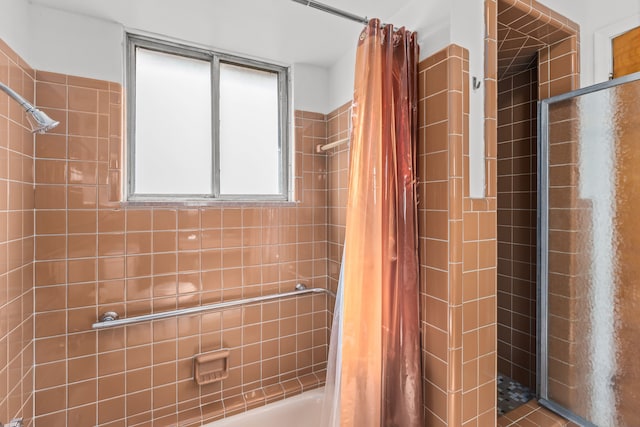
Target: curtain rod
332,10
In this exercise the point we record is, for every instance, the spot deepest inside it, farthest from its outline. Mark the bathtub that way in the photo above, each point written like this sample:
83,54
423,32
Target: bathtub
302,410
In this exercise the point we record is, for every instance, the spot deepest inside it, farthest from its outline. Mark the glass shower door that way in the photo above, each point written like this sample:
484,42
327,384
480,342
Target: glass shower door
589,254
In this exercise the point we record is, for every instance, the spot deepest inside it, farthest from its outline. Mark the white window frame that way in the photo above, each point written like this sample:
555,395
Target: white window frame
215,58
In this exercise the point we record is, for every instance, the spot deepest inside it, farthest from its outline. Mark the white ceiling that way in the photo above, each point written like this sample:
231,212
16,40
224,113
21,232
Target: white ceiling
279,30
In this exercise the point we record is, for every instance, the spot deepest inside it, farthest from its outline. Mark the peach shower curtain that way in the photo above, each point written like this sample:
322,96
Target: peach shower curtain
381,377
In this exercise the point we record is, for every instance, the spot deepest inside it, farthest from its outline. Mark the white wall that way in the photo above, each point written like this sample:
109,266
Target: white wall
310,88
14,26
78,45
341,79
469,31
67,43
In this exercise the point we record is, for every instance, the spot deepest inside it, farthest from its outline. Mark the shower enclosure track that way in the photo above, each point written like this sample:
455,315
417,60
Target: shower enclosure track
110,319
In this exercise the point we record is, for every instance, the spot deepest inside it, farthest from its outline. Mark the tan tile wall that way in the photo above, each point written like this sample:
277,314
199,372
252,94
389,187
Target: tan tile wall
525,26
433,232
16,242
558,66
457,253
93,256
478,288
517,202
338,180
532,414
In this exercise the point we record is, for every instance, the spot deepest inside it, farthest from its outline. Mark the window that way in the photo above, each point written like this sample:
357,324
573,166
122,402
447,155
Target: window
204,125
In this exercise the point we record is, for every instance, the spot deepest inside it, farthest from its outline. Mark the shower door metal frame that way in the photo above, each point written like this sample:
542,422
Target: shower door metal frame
543,242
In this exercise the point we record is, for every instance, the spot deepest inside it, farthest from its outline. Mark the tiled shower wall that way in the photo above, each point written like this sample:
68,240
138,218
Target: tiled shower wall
16,243
558,72
554,71
338,182
457,253
517,199
94,255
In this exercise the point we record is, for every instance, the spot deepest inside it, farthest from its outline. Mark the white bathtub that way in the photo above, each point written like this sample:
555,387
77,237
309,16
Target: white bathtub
302,410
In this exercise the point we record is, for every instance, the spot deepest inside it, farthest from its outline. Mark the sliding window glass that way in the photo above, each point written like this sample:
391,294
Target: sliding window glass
204,126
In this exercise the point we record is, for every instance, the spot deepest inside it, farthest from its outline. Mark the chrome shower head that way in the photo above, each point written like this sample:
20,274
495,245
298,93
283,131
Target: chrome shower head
39,121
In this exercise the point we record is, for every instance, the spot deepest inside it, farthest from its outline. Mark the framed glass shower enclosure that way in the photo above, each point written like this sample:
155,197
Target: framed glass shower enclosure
589,253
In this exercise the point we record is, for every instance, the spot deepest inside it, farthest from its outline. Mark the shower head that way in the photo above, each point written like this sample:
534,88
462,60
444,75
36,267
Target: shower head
39,121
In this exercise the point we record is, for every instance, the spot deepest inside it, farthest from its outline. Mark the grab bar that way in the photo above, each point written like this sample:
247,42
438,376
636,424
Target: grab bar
110,319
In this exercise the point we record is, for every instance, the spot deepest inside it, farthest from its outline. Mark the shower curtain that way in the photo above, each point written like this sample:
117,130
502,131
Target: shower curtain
378,368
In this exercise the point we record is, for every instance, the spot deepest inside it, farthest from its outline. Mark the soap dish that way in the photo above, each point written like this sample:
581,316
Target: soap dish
211,367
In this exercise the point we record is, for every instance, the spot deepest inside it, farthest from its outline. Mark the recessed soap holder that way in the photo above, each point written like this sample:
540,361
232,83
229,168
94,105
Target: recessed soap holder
211,367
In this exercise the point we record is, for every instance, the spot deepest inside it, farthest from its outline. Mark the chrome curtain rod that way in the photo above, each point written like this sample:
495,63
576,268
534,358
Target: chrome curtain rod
110,319
332,10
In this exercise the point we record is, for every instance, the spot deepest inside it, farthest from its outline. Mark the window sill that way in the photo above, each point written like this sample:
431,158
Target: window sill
208,203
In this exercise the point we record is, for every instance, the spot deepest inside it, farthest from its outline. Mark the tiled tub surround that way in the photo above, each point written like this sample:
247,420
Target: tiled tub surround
16,243
93,256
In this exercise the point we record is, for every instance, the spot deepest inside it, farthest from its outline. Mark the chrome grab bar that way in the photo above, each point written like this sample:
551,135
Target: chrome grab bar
110,319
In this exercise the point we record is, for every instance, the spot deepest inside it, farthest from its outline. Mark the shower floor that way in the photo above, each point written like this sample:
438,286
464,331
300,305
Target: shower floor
511,394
